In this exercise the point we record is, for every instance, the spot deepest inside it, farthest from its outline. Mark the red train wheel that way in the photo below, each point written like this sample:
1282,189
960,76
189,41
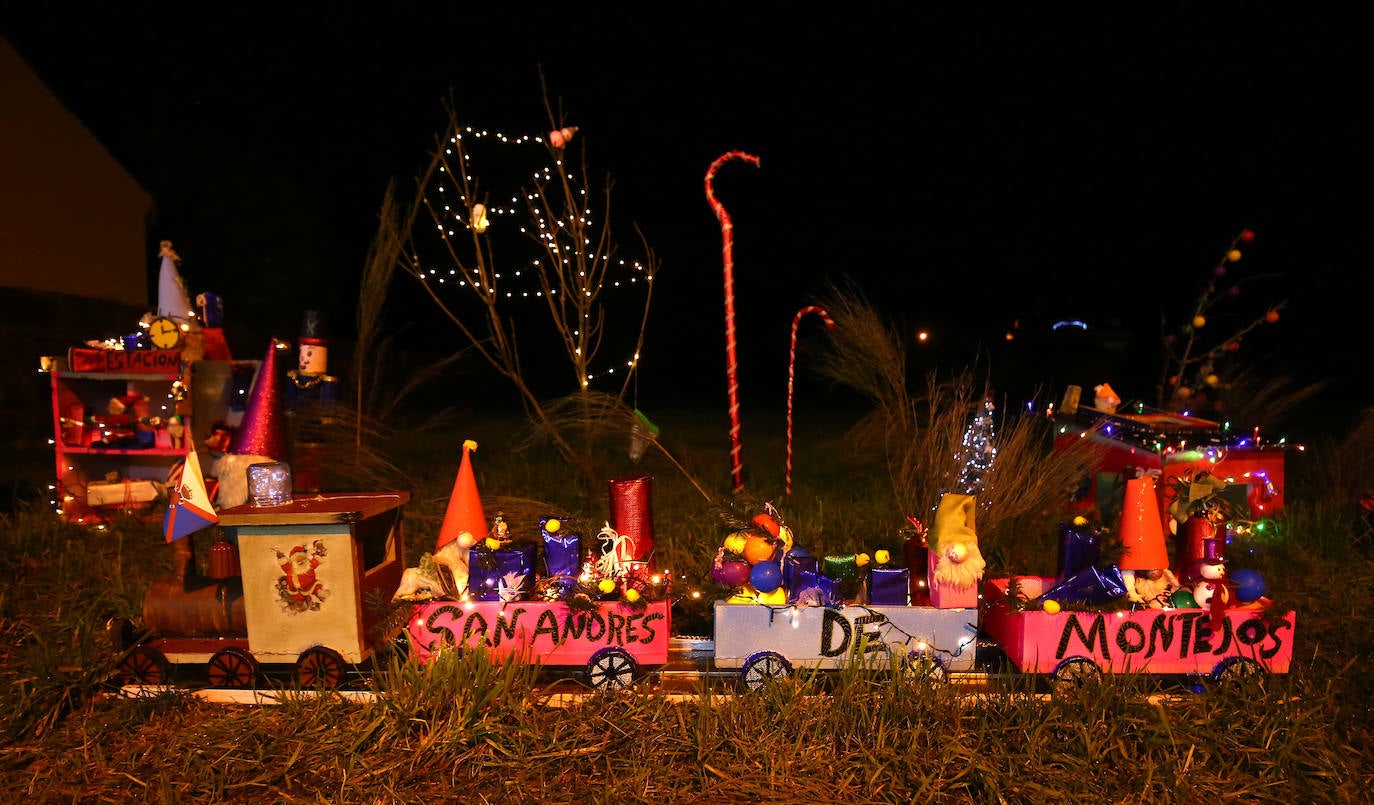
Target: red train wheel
320,667
232,667
145,666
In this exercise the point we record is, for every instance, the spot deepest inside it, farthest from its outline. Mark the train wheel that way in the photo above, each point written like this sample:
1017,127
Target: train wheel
1076,672
232,667
320,667
611,669
763,668
924,667
145,666
1234,670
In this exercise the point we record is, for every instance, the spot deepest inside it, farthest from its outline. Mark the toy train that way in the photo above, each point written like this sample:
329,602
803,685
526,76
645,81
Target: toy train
292,586
296,587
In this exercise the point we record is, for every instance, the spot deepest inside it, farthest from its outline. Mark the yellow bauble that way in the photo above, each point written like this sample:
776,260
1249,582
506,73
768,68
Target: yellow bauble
1051,607
1233,255
785,534
606,585
493,543
861,560
1199,322
882,557
1080,520
735,542
757,549
775,598
632,595
552,524
1212,380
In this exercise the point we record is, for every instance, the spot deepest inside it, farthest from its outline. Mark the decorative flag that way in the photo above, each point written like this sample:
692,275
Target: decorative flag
189,508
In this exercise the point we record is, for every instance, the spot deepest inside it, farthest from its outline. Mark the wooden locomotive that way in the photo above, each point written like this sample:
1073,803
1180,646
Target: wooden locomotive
295,585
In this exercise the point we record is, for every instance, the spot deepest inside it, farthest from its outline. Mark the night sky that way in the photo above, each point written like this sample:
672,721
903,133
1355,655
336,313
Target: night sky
969,170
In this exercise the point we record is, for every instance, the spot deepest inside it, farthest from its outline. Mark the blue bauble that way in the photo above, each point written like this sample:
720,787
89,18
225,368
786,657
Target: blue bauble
1249,584
766,577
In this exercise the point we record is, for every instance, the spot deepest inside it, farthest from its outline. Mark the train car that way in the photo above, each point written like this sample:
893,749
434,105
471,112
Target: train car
765,642
293,586
612,642
1074,647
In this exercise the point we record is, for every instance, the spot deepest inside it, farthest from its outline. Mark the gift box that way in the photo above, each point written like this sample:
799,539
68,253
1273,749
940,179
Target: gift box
1091,586
844,568
793,564
506,574
128,493
815,589
889,586
562,553
1078,549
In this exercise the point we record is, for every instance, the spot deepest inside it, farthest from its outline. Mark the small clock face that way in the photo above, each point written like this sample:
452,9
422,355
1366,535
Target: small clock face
164,333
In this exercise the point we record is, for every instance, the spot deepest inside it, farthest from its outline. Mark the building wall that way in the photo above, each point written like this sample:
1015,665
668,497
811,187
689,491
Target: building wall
72,220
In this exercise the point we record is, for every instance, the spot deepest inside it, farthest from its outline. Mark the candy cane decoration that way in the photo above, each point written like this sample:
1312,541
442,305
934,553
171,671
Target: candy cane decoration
792,376
731,364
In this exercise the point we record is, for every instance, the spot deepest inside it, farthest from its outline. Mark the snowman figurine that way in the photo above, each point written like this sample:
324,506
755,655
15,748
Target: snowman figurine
1211,592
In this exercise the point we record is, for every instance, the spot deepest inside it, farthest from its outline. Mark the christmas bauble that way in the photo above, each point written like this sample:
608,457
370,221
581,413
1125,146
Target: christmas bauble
1249,584
766,577
1183,599
734,543
733,573
773,598
758,549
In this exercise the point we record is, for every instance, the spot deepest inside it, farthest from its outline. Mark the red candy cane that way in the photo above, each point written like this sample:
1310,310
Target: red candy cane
792,376
731,364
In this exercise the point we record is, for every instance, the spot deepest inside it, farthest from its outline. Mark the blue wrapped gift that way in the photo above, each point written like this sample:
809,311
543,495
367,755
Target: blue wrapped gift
889,586
506,574
562,553
1079,549
1092,586
794,563
816,590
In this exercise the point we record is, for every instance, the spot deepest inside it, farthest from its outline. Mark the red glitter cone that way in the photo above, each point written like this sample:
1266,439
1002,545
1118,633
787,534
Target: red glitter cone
262,432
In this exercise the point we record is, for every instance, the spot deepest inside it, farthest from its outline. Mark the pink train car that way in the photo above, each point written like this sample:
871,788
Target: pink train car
1073,647
613,643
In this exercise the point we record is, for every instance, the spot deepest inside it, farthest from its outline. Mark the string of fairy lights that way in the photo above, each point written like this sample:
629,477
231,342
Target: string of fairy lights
570,273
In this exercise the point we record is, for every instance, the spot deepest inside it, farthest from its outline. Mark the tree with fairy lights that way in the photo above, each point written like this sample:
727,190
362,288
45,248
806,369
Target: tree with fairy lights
526,267
976,452
1190,377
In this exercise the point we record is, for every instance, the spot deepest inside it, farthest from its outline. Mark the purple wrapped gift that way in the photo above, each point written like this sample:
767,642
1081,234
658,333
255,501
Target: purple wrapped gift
816,590
889,586
562,553
506,574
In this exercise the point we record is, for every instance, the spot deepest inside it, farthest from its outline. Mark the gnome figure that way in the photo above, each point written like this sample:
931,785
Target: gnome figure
1142,540
464,524
259,438
960,564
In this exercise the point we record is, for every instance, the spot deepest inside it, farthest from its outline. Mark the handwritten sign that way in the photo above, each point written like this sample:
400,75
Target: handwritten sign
125,361
546,633
1157,641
